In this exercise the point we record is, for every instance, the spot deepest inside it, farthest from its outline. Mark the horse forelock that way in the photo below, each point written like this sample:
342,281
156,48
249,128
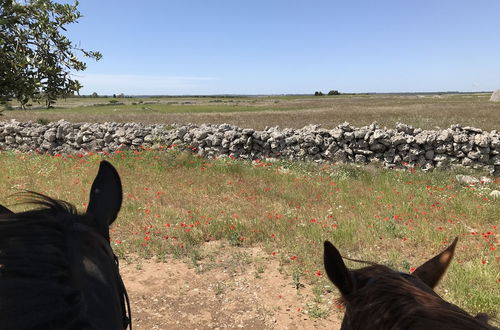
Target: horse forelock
44,205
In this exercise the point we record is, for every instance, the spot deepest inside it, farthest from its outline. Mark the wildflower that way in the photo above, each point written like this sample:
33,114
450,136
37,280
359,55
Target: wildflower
293,258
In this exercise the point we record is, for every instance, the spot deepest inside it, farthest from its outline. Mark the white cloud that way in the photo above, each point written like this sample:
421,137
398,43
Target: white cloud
107,84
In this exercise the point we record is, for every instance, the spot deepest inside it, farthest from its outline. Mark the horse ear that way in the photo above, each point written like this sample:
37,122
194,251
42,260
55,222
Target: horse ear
432,270
336,270
105,195
4,210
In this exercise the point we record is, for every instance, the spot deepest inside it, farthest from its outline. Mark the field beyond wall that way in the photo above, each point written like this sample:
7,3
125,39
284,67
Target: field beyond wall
424,111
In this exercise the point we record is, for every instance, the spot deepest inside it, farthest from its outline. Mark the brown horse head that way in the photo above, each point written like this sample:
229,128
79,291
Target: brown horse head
377,297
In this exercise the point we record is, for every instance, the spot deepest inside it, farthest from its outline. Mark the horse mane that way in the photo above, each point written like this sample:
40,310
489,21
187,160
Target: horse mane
35,267
406,303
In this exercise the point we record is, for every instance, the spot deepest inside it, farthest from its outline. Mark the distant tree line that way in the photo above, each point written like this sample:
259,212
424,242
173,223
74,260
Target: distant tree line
332,92
95,95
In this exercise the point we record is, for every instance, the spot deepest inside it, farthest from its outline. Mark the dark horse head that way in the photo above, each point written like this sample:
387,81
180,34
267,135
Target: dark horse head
57,268
378,298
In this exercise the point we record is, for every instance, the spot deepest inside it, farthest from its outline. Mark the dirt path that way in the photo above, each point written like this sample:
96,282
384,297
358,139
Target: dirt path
235,289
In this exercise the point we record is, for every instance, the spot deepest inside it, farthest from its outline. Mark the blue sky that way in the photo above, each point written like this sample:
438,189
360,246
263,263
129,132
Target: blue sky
287,46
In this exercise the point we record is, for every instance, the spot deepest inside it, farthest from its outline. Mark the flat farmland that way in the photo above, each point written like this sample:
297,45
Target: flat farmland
425,111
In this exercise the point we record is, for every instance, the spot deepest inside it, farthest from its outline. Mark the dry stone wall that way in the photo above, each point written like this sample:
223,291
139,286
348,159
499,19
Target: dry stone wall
403,145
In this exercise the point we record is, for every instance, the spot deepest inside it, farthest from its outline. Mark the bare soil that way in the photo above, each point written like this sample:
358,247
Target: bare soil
235,288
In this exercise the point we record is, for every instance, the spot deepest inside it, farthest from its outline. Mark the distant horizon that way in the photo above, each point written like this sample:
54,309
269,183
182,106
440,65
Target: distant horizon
122,95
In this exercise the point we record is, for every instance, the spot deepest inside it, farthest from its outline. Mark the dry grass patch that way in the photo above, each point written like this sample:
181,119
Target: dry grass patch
428,112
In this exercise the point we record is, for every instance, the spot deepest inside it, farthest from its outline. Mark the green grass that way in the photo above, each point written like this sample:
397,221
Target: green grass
174,202
424,111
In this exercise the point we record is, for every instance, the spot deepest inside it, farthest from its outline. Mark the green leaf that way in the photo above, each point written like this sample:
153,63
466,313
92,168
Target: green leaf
36,58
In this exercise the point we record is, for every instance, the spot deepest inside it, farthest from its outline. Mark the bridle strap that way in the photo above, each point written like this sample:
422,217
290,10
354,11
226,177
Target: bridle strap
126,313
124,299
361,261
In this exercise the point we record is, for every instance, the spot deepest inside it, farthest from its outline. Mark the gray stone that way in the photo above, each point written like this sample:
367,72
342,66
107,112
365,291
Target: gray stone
444,136
421,138
200,134
248,131
47,145
474,154
482,140
50,135
472,129
10,139
380,134
377,147
495,194
361,133
466,179
398,139
360,159
337,133
349,136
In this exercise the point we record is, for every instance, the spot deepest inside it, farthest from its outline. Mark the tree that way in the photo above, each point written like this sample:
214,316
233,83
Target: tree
333,92
36,59
318,94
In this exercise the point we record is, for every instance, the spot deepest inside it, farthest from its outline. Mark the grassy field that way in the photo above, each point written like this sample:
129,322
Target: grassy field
175,202
424,111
